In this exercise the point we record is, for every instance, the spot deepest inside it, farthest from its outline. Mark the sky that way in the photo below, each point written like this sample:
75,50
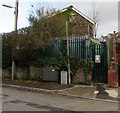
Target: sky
108,12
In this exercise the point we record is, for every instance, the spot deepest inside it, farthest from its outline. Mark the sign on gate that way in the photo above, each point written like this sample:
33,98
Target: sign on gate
97,58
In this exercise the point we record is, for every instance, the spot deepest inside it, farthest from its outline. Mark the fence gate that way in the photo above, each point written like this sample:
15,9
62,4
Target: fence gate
100,71
81,48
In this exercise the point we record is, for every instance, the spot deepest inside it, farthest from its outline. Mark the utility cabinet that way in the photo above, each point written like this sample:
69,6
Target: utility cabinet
63,77
50,74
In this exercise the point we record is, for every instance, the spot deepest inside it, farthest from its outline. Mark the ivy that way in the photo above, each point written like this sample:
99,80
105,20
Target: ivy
67,16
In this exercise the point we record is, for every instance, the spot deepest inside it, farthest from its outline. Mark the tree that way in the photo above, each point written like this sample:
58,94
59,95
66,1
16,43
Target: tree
95,13
46,26
6,52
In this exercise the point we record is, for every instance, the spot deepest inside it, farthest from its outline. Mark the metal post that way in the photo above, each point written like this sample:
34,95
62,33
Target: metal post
69,78
13,69
16,19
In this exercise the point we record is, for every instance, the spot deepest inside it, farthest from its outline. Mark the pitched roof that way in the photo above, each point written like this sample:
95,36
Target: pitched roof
80,13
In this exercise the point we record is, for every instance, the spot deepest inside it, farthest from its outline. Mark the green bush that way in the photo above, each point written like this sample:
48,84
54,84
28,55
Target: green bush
61,63
87,65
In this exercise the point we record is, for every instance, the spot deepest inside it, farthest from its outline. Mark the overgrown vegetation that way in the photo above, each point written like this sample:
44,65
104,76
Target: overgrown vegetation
29,45
44,27
68,17
60,64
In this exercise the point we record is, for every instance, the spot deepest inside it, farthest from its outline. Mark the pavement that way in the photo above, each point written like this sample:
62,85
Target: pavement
100,92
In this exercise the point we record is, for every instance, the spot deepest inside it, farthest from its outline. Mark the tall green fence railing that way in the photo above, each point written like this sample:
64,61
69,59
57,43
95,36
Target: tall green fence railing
82,48
79,47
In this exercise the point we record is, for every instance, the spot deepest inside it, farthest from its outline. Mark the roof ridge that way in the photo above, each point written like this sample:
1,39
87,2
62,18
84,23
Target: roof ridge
80,13
83,14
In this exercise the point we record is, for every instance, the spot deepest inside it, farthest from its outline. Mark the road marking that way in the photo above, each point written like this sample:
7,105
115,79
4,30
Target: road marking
88,103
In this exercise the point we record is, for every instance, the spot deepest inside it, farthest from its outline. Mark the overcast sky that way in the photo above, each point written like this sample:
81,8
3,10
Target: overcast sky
108,12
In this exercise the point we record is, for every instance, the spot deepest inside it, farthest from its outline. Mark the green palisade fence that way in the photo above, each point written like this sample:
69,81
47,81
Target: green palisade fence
81,48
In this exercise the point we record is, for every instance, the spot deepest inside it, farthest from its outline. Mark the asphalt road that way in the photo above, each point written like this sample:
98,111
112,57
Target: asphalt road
19,100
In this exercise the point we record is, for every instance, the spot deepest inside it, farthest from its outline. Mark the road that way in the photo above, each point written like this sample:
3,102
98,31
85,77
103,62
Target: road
20,100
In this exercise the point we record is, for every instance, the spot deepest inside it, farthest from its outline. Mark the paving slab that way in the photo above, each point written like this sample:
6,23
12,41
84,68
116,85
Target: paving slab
80,91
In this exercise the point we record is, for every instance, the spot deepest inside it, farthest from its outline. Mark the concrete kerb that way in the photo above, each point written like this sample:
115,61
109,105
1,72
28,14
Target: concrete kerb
56,92
104,100
30,89
24,87
35,89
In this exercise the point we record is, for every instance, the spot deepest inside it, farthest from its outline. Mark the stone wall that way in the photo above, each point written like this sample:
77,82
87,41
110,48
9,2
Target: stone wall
6,73
24,73
78,78
21,73
81,77
36,73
